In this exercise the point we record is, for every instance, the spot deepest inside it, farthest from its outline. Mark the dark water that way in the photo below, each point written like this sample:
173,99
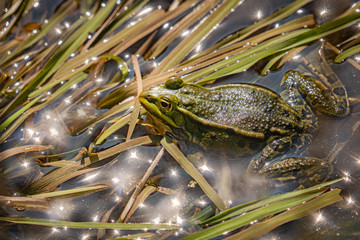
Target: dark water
337,140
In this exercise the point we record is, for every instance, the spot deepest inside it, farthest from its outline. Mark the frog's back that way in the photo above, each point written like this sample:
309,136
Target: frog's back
250,110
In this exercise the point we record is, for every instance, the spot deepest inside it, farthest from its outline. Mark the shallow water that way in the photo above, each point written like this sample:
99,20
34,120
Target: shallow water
337,140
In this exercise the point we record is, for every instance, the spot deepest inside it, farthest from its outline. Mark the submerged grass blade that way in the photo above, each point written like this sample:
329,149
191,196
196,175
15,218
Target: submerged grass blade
87,225
193,172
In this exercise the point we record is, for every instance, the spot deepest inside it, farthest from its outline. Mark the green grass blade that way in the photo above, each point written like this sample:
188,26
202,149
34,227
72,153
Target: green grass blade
245,219
299,40
13,117
87,225
136,236
63,54
347,53
276,16
58,16
114,110
259,229
30,111
249,206
113,128
193,172
179,27
181,50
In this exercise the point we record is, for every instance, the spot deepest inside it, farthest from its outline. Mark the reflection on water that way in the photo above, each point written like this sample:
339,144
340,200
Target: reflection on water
177,196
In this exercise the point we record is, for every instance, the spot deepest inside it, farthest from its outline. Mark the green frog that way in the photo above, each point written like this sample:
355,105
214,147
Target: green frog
249,119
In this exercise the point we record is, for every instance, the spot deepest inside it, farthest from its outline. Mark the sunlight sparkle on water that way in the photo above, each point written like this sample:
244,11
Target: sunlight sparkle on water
205,168
323,12
115,179
179,220
90,177
349,200
25,164
175,202
185,33
145,11
296,57
319,218
58,31
156,220
259,14
133,154
53,131
30,132
202,203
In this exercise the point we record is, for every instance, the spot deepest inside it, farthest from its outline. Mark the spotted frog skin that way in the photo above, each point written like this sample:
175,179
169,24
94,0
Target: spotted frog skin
248,119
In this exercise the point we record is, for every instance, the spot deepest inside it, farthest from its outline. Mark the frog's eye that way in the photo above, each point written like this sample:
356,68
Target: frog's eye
165,104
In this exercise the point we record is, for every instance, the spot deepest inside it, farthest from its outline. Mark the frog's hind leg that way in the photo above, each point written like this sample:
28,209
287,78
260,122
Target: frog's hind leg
306,170
331,101
296,141
276,148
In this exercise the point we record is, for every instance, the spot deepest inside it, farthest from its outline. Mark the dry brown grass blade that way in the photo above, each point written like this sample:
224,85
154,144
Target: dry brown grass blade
23,149
22,203
136,110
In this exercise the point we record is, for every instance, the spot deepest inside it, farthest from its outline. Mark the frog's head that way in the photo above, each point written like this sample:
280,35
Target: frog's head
162,102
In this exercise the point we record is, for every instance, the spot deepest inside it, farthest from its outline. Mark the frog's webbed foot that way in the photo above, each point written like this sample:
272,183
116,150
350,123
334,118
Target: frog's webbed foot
307,171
